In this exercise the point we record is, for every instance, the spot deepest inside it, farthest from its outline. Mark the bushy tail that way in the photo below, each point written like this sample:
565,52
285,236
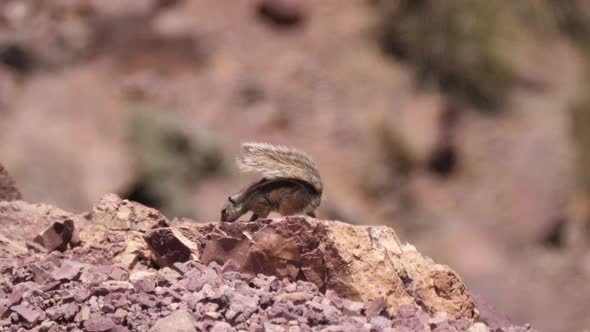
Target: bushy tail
277,161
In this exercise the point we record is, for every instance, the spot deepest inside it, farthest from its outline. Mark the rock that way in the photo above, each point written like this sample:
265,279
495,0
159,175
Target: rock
29,314
11,247
169,246
70,270
352,307
57,236
479,327
119,273
234,291
8,190
144,281
380,322
180,267
179,321
98,323
297,297
410,317
122,224
68,311
121,214
21,221
48,325
116,285
21,290
36,247
4,306
374,307
84,313
359,263
222,327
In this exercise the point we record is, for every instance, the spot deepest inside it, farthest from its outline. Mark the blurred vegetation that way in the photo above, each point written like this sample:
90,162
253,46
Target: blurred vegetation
168,161
466,48
454,43
463,45
389,165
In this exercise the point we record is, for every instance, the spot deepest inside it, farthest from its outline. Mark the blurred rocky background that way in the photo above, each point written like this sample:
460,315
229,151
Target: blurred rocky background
463,124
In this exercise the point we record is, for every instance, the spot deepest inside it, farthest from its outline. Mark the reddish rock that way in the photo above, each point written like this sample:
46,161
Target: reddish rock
98,323
31,315
121,214
69,271
56,236
169,246
180,321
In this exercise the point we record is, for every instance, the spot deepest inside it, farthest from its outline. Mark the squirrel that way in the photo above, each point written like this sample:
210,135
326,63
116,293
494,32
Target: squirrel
291,183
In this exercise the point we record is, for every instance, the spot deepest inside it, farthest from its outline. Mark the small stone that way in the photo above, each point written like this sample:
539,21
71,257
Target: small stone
167,277
120,315
180,267
221,327
4,305
144,281
479,327
169,246
119,273
19,290
69,271
373,308
146,301
69,310
380,322
48,325
30,315
351,307
296,297
117,285
108,308
269,327
36,247
41,275
51,286
293,287
56,236
98,323
178,321
84,313
81,295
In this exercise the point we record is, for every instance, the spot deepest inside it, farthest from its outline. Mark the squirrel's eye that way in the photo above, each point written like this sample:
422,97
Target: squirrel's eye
231,200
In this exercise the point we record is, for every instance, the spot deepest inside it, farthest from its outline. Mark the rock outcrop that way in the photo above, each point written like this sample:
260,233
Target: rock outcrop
127,267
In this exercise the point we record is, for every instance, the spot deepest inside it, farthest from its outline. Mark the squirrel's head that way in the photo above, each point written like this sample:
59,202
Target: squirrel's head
232,210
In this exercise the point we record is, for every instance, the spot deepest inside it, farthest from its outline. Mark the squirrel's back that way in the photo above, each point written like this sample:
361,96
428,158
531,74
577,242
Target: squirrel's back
279,162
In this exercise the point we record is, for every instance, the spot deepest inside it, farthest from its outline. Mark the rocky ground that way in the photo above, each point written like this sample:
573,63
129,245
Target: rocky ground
126,267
